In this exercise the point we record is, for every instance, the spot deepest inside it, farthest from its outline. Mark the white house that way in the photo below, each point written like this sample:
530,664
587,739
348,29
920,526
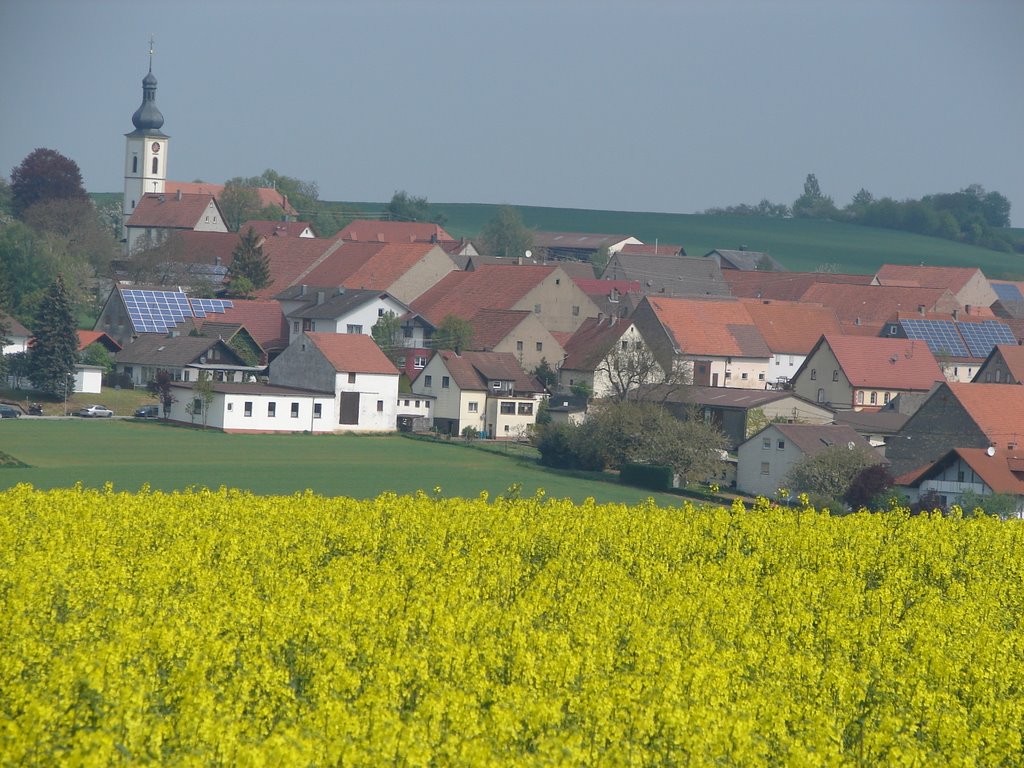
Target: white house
253,408
979,471
352,366
17,335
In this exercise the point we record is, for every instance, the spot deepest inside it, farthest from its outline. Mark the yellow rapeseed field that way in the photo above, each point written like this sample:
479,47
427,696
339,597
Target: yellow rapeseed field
222,628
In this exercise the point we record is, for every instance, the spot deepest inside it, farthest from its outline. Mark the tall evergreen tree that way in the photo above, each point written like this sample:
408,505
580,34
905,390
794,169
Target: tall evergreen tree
54,347
250,267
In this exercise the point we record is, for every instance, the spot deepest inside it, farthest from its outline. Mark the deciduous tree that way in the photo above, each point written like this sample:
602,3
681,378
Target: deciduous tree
387,333
406,207
830,472
44,174
453,333
506,234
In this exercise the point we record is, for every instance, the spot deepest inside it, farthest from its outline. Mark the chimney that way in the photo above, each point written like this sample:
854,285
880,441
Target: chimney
302,290
967,309
178,196
920,309
320,297
956,314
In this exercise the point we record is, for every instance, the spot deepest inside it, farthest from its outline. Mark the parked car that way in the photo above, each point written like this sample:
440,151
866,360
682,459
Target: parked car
95,411
7,412
148,412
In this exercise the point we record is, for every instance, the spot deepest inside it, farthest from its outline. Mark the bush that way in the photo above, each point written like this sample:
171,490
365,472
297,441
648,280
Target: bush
653,476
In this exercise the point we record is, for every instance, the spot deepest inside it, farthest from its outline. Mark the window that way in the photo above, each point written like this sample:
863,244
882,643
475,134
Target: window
760,377
197,406
885,398
781,445
428,381
295,410
156,164
508,408
624,345
308,325
766,443
426,404
295,326
247,411
835,375
135,164
473,407
354,329
860,398
960,476
743,376
380,312
271,410
525,409
728,375
406,403
765,468
814,374
419,362
417,403
445,382
821,395
536,309
540,346
778,361
874,398
558,281
407,332
401,361
351,378
575,310
380,406
318,410
519,346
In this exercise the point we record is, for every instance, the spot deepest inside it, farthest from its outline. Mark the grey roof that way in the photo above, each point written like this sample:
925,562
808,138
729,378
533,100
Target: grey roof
812,439
251,388
874,422
669,275
748,261
156,349
720,397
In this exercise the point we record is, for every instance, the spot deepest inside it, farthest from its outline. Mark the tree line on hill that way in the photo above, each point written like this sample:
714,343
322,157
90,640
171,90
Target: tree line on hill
972,215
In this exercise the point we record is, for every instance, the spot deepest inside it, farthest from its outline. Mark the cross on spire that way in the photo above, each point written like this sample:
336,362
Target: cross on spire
151,52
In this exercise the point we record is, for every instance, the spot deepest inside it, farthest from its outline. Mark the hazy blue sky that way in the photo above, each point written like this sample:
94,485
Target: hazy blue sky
658,106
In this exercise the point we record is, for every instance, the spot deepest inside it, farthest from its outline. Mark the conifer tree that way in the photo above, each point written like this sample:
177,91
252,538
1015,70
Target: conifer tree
53,351
250,267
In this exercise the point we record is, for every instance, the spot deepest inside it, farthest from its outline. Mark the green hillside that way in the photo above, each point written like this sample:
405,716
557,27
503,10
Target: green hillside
800,244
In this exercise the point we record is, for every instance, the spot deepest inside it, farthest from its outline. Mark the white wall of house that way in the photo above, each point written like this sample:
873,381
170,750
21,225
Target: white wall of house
256,412
764,461
509,417
952,483
88,379
378,401
960,372
360,320
741,372
420,406
782,366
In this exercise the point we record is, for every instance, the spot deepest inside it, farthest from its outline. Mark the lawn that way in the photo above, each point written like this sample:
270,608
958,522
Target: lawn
129,454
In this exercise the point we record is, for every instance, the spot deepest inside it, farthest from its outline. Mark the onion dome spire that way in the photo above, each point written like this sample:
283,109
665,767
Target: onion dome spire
147,117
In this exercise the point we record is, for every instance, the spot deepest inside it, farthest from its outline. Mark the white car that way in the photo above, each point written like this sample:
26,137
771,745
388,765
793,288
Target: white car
94,411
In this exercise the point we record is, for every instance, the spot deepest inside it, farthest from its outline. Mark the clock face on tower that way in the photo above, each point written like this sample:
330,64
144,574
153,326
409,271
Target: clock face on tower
156,147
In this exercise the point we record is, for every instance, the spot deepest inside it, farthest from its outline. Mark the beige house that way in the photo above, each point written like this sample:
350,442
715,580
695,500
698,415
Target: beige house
865,372
488,391
608,356
547,291
157,216
517,332
765,460
968,284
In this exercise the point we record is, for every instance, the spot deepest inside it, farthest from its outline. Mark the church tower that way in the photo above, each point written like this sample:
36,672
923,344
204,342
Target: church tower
145,154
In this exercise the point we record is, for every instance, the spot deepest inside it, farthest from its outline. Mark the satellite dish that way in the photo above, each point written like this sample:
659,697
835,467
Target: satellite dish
991,450
850,445
528,253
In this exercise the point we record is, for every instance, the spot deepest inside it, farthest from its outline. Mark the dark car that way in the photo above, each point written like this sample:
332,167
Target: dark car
6,412
148,412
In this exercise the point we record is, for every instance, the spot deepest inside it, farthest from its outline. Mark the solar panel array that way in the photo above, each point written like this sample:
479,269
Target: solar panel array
982,337
940,335
159,311
1007,292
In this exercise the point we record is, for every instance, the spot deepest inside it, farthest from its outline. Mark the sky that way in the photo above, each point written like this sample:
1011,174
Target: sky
635,106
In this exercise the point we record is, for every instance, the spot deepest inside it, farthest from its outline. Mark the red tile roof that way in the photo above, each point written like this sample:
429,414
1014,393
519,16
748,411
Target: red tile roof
874,304
786,286
997,409
262,318
792,327
592,342
167,211
206,247
374,266
896,364
1000,472
276,228
597,287
490,326
85,338
719,328
1013,357
291,259
267,196
371,230
352,353
472,370
463,294
953,278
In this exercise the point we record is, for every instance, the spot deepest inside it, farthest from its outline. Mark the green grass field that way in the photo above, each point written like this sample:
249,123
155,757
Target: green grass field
800,244
131,453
